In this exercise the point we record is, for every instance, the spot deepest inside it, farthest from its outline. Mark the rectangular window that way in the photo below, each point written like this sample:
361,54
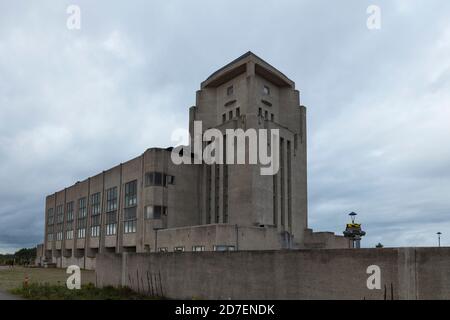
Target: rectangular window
170,180
59,221
131,194
50,216
266,90
230,90
111,229
81,223
111,217
230,114
50,237
260,112
224,248
81,219
162,249
289,188
95,220
60,213
272,117
155,212
95,204
158,179
178,249
198,248
129,214
111,199
129,226
81,233
69,234
224,117
82,207
70,211
95,231
153,179
266,114
50,230
238,112
281,172
149,179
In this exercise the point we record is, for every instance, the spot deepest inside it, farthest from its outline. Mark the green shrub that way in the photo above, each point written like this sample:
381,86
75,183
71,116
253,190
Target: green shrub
36,291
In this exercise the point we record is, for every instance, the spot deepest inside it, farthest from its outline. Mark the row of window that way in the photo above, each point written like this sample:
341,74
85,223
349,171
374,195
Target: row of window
81,232
158,179
151,212
199,248
266,114
230,114
151,179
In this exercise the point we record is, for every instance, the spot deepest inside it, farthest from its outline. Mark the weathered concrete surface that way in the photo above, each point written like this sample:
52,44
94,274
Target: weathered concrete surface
406,273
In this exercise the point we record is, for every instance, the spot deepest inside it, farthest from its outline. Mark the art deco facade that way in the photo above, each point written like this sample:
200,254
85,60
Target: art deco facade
150,204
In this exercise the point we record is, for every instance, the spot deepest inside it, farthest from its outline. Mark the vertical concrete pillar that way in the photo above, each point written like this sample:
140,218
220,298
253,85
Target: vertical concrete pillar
407,284
123,281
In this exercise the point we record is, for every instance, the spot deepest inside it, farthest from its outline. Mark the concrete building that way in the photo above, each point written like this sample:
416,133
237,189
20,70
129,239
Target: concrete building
150,204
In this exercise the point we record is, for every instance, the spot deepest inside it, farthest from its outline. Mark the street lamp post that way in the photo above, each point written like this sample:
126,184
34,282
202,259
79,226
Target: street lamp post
439,238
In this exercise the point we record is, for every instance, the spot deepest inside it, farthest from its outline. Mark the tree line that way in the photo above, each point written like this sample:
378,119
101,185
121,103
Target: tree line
23,256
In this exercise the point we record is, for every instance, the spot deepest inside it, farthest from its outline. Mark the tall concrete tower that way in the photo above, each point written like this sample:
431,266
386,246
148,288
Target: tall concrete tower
250,93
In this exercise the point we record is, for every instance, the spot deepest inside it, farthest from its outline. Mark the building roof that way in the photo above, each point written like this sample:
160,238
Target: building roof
239,65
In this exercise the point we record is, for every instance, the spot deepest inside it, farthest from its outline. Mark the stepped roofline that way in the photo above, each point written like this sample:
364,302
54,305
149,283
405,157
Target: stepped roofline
251,64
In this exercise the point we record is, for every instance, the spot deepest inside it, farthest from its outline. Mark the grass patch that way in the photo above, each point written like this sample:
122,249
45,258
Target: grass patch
47,291
11,278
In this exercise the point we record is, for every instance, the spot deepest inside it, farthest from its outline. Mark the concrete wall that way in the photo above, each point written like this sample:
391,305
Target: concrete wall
406,273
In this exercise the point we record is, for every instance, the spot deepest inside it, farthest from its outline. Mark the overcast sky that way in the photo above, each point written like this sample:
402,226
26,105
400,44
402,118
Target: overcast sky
76,102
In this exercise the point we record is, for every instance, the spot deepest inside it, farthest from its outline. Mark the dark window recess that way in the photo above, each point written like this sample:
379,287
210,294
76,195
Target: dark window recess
238,112
111,217
272,117
95,220
170,179
158,179
131,194
129,214
266,114
230,115
260,112
155,212
50,217
224,117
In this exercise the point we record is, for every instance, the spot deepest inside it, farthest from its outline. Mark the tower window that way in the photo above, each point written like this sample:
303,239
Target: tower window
260,112
272,117
230,115
224,117
238,112
266,90
266,114
230,90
